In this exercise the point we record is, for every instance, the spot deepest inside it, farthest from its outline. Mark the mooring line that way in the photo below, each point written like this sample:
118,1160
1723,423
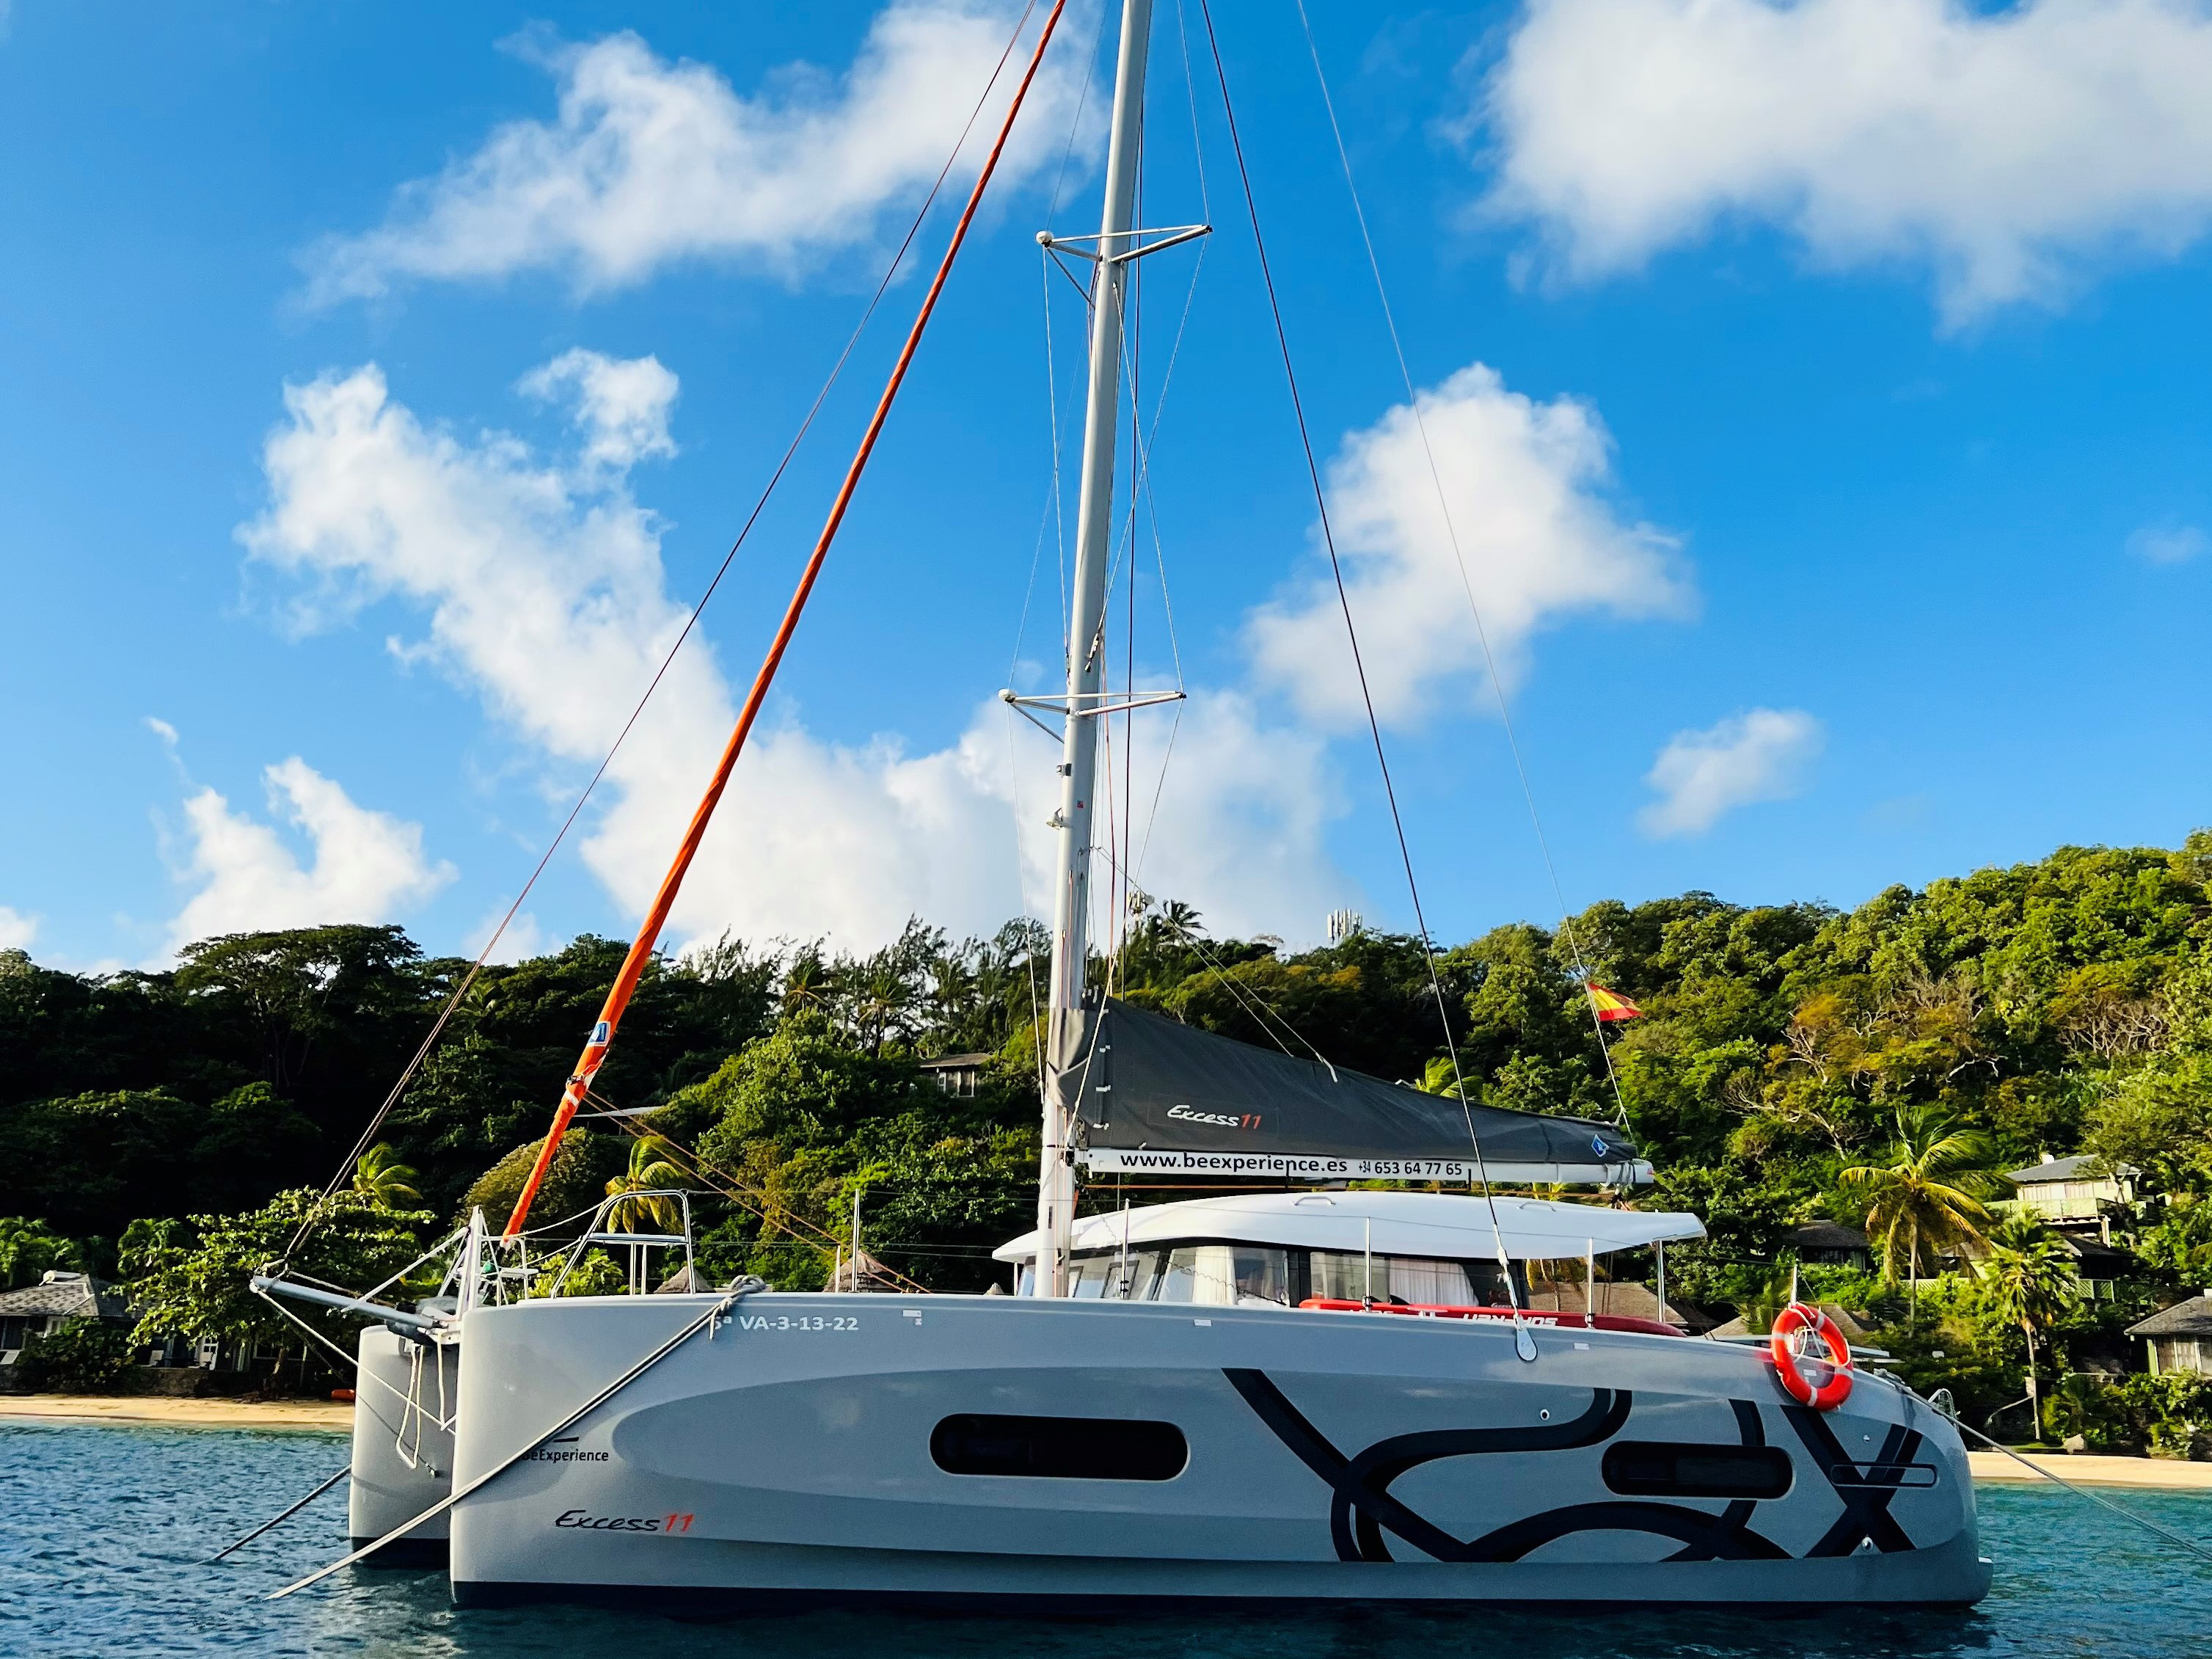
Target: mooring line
279,1520
2144,1522
705,1322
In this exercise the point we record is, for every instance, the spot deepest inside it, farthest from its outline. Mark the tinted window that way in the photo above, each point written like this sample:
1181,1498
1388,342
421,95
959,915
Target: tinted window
1662,1468
1060,1448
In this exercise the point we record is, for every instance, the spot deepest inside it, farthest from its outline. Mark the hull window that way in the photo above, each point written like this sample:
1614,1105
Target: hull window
1659,1468
1060,1448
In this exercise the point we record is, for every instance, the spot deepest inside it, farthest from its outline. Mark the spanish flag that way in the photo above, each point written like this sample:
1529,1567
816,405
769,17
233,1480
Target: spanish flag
1612,1006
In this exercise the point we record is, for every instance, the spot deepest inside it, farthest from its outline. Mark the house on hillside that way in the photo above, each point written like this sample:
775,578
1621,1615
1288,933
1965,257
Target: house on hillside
958,1075
1829,1244
2075,1194
58,1297
2099,1265
2179,1338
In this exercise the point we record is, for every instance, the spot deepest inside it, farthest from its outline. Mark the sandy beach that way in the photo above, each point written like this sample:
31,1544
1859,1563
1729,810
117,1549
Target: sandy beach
2165,1473
178,1413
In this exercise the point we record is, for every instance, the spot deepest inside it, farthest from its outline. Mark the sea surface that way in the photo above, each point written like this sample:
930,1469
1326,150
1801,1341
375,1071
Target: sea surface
104,1534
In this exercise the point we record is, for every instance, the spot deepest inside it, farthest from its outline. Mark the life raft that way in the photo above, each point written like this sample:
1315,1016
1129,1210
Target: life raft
1809,1379
1570,1321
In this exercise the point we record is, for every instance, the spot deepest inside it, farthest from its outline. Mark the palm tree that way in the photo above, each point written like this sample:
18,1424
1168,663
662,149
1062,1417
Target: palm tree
378,1174
2031,1281
807,982
1928,1194
1179,923
648,1171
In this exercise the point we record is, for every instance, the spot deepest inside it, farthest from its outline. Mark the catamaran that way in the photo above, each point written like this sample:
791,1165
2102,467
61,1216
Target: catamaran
1317,1393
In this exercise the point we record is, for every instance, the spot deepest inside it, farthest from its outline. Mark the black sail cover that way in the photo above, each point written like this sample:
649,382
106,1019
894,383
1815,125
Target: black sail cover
1152,1095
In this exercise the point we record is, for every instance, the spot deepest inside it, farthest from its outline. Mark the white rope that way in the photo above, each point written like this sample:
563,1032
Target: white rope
2190,1545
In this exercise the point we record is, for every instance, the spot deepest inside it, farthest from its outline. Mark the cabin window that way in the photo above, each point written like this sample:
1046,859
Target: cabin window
1115,1278
1221,1275
1342,1276
1665,1468
1060,1448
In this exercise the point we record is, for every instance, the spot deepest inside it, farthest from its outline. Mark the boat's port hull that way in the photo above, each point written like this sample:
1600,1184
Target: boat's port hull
797,1453
405,1398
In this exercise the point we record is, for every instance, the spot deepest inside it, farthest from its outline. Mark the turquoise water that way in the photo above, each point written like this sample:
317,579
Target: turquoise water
104,1533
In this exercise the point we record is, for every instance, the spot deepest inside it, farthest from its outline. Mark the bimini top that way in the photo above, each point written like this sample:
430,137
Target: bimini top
1151,1094
1444,1225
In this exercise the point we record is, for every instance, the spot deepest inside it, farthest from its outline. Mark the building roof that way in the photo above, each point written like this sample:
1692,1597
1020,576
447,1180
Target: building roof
2094,1258
1625,1298
1852,1330
1445,1226
2080,1167
956,1062
65,1296
2190,1318
1827,1235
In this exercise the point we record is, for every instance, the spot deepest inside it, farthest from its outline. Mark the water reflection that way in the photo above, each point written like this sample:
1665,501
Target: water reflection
105,1533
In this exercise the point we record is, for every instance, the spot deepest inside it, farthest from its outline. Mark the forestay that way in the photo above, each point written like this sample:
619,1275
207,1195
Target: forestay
1152,1096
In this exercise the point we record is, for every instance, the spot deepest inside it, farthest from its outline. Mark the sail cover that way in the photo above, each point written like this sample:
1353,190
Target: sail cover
1153,1095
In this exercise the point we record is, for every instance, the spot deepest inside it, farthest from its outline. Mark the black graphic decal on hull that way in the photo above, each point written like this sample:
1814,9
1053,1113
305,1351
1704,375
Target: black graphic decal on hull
1866,1485
1722,1537
1361,1507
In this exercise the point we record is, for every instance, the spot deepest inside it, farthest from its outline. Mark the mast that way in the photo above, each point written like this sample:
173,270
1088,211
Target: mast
1079,766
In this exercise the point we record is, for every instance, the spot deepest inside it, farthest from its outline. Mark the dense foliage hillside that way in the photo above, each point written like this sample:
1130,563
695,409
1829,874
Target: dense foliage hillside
2054,1007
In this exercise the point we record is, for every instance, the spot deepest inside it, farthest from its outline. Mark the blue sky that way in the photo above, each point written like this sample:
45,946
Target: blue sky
1821,394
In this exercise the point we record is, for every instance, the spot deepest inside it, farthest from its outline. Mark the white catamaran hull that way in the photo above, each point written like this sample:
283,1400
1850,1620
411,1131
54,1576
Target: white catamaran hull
405,1394
796,1452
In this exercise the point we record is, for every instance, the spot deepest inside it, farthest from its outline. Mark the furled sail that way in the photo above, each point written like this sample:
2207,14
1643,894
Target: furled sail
1150,1095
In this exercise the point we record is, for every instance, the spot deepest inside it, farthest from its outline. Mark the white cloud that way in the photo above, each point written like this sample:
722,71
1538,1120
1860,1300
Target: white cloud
1701,776
2168,543
622,405
545,592
650,162
366,865
16,930
1524,481
2004,146
522,938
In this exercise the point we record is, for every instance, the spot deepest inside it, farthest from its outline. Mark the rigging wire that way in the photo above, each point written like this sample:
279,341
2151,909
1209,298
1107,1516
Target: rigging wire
1459,556
1248,997
755,1204
1523,1343
475,968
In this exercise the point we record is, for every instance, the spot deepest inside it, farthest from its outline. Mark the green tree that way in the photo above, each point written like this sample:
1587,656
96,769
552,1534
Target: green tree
573,1186
648,1170
29,1249
378,1174
2028,1278
193,1282
1926,1196
85,1355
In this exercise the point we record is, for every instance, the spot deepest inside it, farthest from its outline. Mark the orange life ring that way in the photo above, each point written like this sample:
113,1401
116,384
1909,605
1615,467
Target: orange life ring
1792,1364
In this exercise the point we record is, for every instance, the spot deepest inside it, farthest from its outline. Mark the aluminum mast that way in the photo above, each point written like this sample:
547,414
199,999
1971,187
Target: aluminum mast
1078,765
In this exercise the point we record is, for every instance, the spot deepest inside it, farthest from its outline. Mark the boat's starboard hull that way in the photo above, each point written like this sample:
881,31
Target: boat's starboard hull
801,1450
